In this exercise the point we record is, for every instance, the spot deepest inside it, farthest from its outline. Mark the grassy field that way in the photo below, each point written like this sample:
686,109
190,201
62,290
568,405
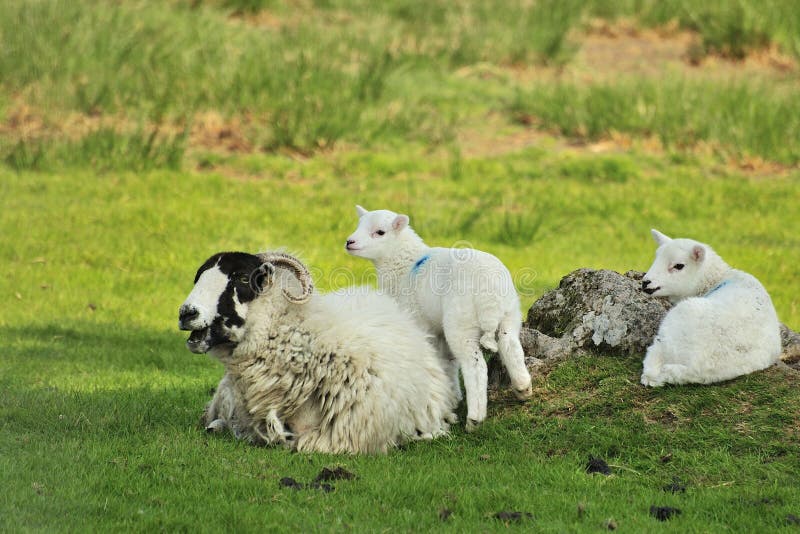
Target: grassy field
138,138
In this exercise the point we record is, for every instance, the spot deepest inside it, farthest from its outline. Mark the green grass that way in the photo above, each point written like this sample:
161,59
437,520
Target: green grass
110,206
98,418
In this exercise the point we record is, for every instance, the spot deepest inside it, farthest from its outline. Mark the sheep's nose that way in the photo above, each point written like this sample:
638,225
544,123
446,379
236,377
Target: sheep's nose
186,315
645,283
351,241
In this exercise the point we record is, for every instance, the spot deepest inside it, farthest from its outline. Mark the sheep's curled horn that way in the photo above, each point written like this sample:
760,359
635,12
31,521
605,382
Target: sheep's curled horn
296,267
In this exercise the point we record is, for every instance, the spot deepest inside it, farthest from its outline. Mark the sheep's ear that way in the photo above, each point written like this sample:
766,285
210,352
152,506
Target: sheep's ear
360,211
698,253
400,222
660,238
262,277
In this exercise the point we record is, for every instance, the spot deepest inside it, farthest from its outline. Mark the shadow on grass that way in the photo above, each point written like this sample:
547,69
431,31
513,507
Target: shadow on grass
105,379
96,347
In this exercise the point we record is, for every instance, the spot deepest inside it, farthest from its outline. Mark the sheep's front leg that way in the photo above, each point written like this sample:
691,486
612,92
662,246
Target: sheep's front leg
220,412
271,431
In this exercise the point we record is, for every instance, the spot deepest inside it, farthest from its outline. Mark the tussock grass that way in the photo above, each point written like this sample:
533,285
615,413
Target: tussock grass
739,118
731,28
310,77
103,149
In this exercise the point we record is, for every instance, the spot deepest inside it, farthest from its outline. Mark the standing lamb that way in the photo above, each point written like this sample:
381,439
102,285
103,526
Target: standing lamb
336,373
723,324
463,296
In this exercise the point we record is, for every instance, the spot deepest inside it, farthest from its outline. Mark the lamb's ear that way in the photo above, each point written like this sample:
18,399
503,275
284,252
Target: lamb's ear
262,277
698,253
660,238
400,222
360,211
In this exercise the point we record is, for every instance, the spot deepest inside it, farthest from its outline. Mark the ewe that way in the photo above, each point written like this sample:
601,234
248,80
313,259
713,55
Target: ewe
464,296
346,373
723,324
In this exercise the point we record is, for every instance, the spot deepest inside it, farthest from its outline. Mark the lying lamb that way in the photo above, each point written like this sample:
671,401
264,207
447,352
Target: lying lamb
336,373
464,296
723,324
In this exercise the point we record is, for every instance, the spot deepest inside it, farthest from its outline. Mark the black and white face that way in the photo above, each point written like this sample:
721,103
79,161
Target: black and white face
216,310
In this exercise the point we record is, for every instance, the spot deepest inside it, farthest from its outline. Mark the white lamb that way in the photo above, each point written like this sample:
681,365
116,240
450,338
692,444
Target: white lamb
463,296
723,324
336,373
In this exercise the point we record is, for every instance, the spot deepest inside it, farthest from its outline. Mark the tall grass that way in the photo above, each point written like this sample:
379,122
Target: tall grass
152,62
102,149
728,27
739,118
362,72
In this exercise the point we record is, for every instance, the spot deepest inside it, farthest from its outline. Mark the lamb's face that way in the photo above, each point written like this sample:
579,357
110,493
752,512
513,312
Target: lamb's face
676,271
376,233
216,309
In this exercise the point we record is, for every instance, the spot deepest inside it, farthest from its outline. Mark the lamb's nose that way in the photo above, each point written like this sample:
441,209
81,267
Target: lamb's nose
350,242
186,315
645,283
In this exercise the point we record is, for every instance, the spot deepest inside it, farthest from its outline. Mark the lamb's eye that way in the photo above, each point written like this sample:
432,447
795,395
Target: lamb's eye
244,279
380,232
678,266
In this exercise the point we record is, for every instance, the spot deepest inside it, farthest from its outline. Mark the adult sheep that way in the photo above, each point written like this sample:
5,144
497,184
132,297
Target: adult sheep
463,296
723,324
335,373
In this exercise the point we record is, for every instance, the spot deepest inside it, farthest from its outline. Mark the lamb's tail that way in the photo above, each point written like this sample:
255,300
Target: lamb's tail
489,340
489,318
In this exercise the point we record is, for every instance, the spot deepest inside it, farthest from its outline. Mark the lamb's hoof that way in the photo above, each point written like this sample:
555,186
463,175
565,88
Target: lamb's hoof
649,382
215,426
489,342
524,393
471,425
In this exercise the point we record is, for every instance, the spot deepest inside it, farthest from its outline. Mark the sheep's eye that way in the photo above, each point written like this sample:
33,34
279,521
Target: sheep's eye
678,266
244,279
380,232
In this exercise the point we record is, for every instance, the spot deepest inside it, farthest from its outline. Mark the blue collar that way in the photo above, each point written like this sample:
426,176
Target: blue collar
420,262
718,287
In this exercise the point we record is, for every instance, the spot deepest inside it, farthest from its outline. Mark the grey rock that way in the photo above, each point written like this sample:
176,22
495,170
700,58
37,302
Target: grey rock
600,310
791,347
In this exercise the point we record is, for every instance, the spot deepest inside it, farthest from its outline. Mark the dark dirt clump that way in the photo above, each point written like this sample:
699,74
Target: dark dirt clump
664,513
289,482
513,516
337,473
676,486
597,465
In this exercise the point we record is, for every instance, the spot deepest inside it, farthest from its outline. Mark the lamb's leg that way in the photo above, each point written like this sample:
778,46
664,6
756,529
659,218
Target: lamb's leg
675,374
465,347
651,367
450,364
513,357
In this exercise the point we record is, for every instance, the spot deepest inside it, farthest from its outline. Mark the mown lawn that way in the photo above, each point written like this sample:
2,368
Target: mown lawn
503,146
